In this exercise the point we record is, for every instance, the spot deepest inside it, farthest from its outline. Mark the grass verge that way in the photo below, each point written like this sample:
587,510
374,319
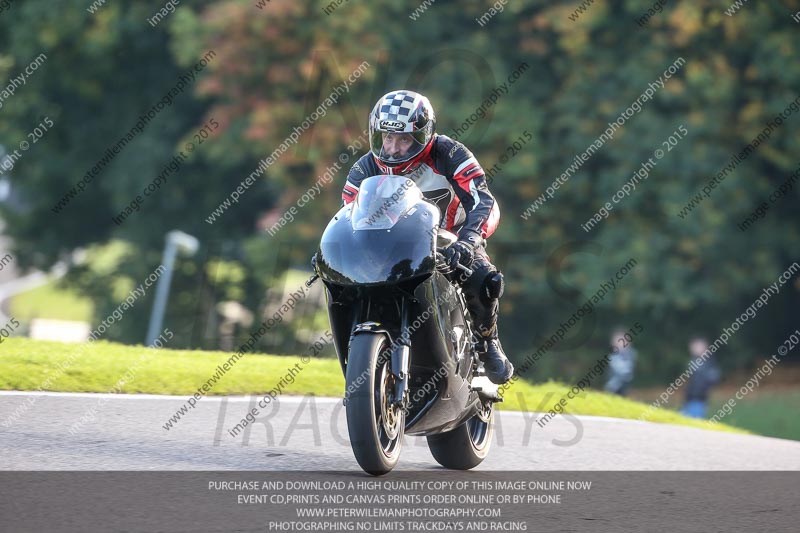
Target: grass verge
102,366
772,413
50,301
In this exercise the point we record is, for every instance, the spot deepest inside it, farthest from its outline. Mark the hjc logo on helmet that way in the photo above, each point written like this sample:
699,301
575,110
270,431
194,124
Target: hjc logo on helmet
391,125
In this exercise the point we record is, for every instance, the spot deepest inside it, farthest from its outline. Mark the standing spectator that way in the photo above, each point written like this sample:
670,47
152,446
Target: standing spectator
706,374
621,363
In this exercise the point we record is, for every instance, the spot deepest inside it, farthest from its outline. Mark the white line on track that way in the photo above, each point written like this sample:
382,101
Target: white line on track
243,399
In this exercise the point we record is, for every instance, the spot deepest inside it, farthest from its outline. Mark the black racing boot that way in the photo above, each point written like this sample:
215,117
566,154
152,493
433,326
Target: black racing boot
497,366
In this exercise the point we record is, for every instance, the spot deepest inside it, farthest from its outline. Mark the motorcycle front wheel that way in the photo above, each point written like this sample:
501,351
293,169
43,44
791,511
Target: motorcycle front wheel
466,446
375,426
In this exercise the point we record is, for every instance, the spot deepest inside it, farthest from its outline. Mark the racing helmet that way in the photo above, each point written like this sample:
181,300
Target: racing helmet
401,111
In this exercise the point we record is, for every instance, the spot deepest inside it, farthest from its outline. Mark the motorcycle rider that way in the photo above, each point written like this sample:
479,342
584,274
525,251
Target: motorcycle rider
403,142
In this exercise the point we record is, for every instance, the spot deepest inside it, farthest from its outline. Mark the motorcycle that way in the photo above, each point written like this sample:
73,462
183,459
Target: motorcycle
402,331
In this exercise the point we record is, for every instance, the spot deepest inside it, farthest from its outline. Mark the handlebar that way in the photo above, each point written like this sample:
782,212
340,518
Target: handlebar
466,270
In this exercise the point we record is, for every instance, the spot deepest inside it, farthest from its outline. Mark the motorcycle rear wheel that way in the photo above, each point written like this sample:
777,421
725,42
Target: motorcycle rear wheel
466,446
375,427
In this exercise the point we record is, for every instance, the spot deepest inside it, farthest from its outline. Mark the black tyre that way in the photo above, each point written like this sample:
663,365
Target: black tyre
376,428
467,445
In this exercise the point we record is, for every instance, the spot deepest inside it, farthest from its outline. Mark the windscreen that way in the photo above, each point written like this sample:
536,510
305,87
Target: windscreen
382,200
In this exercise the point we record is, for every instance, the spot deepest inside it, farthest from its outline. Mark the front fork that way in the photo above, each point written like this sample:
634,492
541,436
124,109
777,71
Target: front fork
401,355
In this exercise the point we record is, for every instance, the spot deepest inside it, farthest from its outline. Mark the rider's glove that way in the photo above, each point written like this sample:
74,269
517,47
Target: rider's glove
314,262
462,252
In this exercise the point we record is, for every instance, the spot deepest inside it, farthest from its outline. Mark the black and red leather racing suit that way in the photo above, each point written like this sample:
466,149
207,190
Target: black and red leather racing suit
450,177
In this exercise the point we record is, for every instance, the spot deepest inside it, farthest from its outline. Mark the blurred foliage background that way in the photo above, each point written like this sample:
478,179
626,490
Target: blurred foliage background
273,65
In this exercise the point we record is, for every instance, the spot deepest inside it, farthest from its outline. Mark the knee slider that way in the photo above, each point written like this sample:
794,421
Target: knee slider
493,285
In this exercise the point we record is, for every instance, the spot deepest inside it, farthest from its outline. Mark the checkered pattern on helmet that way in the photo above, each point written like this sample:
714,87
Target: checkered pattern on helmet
398,106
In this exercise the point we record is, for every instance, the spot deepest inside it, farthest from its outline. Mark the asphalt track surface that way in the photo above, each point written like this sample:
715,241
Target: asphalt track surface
310,433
